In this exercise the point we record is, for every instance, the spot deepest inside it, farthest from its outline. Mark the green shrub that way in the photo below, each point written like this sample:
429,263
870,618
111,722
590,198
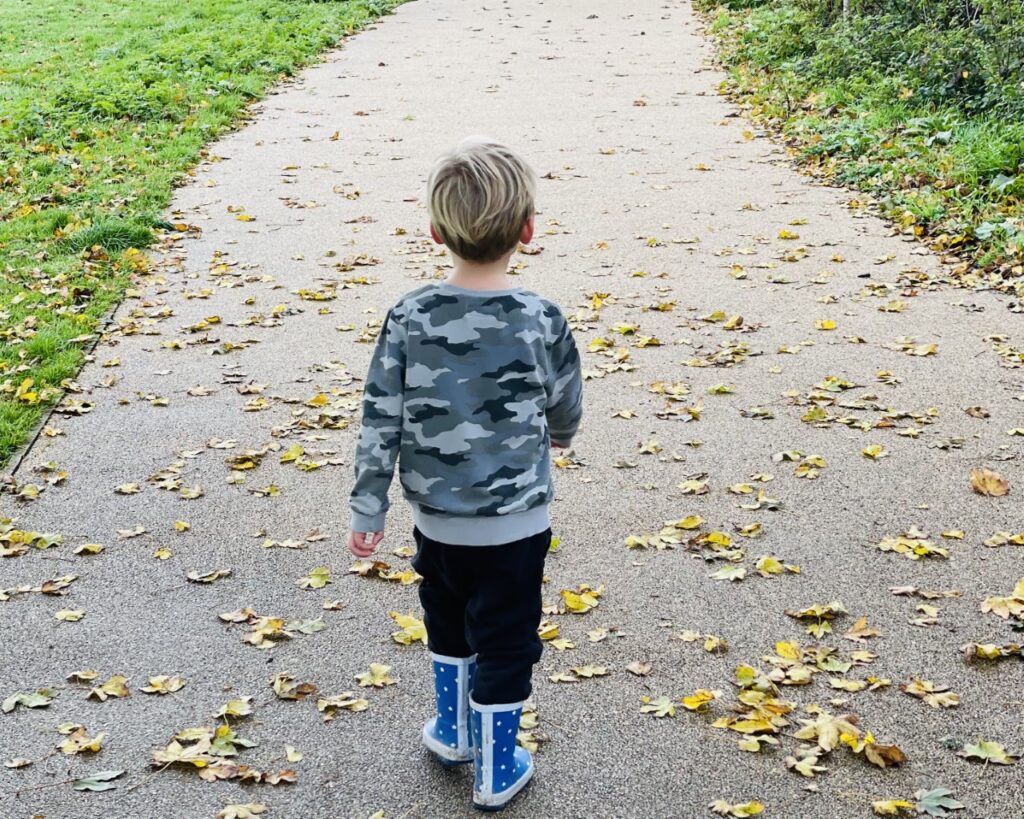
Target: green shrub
919,102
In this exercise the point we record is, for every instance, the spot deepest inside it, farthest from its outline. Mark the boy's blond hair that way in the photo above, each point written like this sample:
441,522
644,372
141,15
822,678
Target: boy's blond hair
479,196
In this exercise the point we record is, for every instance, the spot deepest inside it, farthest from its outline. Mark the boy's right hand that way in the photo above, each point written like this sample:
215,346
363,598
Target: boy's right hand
362,544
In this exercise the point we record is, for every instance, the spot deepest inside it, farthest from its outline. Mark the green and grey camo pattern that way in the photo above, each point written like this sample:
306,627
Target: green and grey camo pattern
466,390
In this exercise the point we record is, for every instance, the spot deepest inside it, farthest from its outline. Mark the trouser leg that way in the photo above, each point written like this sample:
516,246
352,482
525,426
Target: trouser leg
502,616
442,596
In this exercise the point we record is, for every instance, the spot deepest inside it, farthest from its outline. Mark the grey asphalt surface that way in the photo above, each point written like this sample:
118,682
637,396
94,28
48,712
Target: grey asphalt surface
616,107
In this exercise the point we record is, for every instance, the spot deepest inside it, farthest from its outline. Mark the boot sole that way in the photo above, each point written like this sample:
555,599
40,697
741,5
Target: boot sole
516,789
434,747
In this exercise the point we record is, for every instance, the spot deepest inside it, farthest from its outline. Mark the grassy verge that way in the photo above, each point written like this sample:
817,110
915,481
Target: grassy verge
103,107
919,104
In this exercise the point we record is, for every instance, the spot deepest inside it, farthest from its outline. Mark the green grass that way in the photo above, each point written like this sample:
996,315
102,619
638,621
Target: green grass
104,105
925,116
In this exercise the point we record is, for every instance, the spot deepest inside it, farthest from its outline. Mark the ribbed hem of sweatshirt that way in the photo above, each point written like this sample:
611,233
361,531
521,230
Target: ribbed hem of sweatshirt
481,530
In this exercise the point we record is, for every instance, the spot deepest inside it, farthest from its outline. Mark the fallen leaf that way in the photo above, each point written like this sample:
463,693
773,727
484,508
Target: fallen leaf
988,751
737,811
989,483
376,677
99,781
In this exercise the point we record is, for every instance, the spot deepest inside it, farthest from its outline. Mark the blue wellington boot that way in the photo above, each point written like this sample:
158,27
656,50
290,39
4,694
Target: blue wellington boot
502,767
448,735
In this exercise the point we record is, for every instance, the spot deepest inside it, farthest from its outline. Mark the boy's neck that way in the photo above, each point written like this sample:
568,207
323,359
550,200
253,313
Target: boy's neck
489,276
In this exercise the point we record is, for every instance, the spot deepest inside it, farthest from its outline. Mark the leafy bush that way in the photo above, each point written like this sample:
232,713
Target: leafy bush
920,102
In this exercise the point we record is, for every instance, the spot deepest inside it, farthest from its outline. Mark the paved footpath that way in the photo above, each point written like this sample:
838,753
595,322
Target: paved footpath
242,345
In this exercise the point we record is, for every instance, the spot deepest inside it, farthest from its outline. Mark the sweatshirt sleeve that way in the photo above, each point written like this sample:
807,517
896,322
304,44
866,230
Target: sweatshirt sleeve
565,391
381,431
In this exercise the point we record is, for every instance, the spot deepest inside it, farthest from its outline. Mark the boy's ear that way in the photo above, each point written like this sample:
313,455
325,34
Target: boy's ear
526,234
435,235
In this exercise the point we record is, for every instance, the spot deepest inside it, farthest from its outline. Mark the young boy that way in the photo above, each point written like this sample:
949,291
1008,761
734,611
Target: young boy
472,380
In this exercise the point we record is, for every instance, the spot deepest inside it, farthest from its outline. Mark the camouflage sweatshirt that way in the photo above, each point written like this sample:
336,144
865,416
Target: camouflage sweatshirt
466,389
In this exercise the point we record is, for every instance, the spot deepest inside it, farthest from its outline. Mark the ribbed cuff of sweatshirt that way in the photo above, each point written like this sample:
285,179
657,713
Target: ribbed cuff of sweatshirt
368,523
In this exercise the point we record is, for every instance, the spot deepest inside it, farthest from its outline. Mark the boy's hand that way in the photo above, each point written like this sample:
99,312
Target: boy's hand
558,445
362,544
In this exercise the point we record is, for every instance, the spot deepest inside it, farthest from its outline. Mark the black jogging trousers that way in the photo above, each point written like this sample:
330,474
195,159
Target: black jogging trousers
485,600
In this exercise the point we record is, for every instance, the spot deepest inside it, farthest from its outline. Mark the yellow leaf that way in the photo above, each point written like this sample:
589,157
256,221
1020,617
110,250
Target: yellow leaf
986,482
700,698
892,807
747,809
768,565
789,651
376,677
412,629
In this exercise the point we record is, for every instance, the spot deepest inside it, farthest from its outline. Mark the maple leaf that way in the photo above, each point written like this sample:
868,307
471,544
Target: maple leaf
988,751
582,599
659,707
116,686
316,579
807,765
937,802
937,696
412,629
827,729
376,677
